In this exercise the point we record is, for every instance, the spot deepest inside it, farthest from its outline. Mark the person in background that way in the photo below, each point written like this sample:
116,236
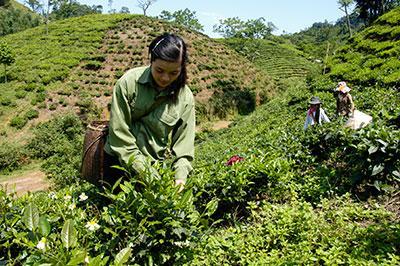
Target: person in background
315,114
152,110
344,101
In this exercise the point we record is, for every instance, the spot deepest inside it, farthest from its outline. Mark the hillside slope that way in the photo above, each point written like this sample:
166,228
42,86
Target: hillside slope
76,65
263,192
276,56
372,56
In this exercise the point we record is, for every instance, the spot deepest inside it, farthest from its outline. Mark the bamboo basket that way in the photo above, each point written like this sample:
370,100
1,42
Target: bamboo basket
93,158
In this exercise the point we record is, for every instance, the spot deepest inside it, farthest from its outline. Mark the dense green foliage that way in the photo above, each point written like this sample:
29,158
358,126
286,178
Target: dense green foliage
328,195
68,9
184,17
335,232
280,204
369,10
6,57
59,143
250,29
15,17
371,57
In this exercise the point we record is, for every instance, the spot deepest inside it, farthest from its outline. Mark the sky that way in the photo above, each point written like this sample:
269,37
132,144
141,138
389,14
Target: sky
289,16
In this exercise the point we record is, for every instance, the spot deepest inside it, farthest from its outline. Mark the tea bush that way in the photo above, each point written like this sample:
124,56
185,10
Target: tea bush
59,142
12,156
18,122
147,215
297,233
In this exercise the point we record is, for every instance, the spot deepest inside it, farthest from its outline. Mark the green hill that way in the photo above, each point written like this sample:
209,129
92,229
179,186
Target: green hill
372,56
325,196
76,65
277,57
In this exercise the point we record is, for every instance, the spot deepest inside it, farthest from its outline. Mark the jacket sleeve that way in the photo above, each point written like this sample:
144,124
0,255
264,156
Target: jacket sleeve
183,141
351,103
122,142
307,122
324,117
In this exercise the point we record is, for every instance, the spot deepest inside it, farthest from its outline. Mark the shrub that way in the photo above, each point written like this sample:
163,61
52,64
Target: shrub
118,74
52,106
12,156
59,142
20,94
32,114
93,65
18,122
5,101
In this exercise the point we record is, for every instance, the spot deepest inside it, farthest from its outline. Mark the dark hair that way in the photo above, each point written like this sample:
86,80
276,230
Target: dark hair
317,114
170,47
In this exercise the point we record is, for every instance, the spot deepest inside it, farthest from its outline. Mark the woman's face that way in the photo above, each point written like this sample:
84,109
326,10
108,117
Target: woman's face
165,72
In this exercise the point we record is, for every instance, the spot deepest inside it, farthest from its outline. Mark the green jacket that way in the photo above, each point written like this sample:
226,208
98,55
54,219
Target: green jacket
134,131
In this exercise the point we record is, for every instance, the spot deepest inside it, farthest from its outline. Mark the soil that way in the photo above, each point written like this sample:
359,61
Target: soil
30,181
221,124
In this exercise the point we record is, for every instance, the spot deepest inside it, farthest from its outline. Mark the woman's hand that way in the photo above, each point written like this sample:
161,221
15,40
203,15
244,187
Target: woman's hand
180,183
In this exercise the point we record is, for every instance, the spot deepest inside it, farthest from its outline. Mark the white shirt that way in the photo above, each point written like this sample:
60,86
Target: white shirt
310,121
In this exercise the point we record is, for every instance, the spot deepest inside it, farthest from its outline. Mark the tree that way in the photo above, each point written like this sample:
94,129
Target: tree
184,17
15,19
35,5
6,57
124,10
251,29
110,9
257,29
145,4
49,4
369,10
66,9
4,3
344,4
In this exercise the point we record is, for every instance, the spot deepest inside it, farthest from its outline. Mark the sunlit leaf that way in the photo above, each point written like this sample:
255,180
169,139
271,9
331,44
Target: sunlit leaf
123,256
31,217
211,207
373,149
377,169
69,234
186,198
44,226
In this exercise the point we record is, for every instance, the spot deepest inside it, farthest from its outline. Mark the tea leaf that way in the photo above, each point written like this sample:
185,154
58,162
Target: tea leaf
187,198
372,149
78,257
44,226
68,234
211,207
31,217
377,169
123,256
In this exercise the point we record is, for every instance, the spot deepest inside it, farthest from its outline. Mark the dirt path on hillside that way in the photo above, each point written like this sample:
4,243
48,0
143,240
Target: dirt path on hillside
29,181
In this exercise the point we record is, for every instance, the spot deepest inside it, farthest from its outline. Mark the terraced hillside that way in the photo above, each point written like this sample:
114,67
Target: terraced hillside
76,65
277,57
372,56
263,192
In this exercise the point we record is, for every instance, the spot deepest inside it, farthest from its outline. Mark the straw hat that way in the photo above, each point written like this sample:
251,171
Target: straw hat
315,100
342,87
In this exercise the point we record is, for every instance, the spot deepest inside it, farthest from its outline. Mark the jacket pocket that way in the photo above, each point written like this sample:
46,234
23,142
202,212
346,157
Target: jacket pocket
169,118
